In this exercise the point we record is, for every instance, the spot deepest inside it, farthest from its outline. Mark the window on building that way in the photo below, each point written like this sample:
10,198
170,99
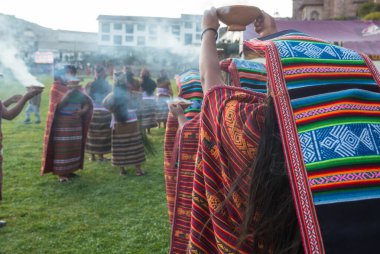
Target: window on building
152,39
152,29
175,29
314,15
129,38
188,39
140,27
198,37
106,28
117,39
105,37
141,40
198,27
129,28
188,24
117,26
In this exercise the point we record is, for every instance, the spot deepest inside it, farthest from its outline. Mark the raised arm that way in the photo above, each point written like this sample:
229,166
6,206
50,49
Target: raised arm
11,100
210,72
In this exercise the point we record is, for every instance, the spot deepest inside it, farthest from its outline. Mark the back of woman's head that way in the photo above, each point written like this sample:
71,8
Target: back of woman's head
145,73
120,97
270,217
71,70
63,73
100,72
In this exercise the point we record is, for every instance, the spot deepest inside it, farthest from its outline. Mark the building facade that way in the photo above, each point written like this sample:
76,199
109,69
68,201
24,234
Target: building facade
29,38
325,9
138,31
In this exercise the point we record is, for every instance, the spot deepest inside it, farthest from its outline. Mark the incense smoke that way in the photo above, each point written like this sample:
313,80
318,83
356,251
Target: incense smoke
9,57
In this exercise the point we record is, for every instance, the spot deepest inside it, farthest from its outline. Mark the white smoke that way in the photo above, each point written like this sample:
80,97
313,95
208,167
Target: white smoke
9,55
9,59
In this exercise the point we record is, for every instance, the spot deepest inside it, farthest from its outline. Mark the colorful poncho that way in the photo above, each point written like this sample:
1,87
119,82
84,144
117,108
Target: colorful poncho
327,105
246,74
180,153
229,137
56,94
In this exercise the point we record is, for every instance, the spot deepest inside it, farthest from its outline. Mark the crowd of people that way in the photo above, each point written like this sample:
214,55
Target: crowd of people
101,119
281,157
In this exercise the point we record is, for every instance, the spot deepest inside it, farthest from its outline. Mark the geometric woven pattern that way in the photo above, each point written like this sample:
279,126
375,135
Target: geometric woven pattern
339,142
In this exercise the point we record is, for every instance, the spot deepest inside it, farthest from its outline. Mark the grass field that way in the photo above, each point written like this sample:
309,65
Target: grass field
99,212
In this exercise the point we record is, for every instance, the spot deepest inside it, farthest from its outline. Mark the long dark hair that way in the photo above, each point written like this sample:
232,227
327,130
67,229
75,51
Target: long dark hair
121,98
270,218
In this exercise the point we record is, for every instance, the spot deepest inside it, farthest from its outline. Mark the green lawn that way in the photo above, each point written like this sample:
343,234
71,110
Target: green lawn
99,212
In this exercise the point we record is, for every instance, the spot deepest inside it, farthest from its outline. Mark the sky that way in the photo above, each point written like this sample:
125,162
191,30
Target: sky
80,15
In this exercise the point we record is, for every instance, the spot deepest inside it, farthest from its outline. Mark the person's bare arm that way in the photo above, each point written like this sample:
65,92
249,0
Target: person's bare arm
210,72
108,101
177,112
12,99
10,114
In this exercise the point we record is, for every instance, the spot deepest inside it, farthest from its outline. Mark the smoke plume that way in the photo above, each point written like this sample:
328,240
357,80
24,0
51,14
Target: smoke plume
9,56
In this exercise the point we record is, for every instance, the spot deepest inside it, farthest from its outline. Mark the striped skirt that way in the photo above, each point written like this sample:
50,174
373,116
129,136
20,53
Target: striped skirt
162,109
99,133
148,113
127,144
67,137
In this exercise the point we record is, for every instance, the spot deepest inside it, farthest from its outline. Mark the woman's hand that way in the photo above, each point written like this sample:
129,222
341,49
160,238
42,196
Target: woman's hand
265,25
33,92
83,111
176,109
210,19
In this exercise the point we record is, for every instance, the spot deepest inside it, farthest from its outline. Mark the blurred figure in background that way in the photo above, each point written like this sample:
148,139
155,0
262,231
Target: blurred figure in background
127,141
164,92
132,82
69,116
148,110
99,133
33,107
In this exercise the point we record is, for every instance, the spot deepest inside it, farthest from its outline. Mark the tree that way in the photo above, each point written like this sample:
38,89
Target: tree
372,16
367,8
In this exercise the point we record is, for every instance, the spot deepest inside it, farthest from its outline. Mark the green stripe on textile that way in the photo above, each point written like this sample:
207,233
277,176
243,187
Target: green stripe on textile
318,81
337,121
350,161
252,71
362,189
317,100
286,61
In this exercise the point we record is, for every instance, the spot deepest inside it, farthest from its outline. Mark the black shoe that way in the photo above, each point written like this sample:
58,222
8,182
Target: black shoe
37,122
27,121
2,223
72,175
